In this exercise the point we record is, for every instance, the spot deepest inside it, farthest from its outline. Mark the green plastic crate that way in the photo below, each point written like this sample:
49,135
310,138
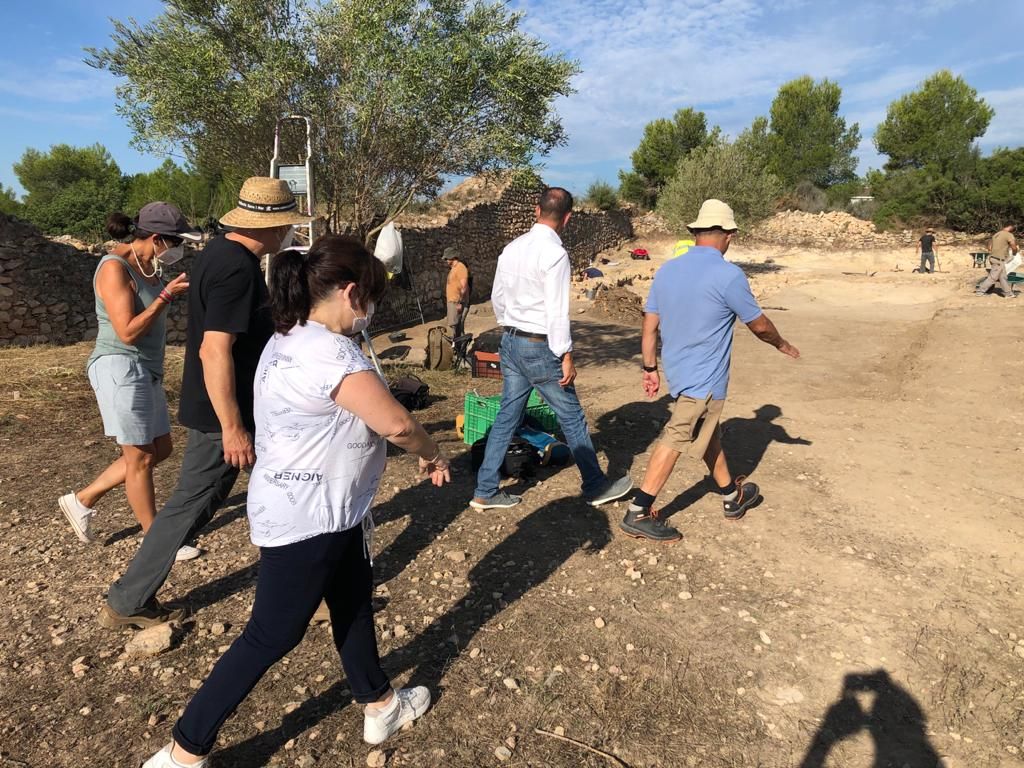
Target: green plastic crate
481,412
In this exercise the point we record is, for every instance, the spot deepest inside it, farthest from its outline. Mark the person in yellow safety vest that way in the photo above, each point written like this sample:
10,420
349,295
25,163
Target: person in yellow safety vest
681,247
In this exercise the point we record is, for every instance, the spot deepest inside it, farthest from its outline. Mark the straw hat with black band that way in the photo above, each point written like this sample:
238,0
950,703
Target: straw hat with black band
264,203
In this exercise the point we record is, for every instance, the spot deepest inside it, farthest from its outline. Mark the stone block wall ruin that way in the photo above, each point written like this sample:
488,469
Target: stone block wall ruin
46,293
480,232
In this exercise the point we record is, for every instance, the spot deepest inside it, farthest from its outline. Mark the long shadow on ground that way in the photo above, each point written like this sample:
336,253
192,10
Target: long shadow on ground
633,428
541,543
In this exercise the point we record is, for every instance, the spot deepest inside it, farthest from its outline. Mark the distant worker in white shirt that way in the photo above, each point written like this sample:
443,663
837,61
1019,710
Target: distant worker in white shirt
531,302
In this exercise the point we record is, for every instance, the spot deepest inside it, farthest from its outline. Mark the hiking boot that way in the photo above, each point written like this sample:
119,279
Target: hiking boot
646,524
163,759
500,500
152,613
405,706
78,515
613,489
749,495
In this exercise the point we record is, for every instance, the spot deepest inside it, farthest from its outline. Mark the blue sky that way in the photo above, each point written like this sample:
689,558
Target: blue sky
640,60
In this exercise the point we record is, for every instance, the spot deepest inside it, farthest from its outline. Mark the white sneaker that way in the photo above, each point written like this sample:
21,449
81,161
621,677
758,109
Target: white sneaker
406,705
187,552
163,759
78,515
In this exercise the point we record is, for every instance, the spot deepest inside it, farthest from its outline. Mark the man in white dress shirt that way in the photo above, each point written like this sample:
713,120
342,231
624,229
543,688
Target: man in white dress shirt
531,302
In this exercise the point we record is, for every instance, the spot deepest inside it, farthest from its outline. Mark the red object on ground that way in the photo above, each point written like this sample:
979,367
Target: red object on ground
486,365
640,253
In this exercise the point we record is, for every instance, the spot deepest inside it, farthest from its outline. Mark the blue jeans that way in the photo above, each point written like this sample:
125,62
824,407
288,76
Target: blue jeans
528,365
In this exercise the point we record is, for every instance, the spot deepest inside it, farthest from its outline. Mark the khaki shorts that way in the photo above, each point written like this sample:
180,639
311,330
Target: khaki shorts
692,425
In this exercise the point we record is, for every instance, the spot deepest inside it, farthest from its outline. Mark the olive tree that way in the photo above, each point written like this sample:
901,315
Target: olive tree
402,93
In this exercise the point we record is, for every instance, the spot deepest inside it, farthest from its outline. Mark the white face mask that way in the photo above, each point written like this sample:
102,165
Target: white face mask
360,324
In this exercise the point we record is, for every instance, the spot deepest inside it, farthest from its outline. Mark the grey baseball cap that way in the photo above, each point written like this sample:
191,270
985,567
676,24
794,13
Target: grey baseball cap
451,252
165,219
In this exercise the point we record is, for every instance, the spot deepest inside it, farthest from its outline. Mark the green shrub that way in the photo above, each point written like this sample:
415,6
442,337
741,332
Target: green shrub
602,195
729,172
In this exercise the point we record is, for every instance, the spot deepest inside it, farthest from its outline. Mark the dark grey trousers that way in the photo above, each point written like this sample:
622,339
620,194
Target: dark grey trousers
205,482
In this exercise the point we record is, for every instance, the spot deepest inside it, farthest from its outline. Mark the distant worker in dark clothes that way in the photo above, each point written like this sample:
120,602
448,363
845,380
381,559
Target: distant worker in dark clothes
926,246
456,291
694,301
1004,247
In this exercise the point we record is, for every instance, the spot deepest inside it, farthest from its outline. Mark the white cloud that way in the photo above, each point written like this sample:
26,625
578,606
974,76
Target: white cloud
62,81
1007,127
55,116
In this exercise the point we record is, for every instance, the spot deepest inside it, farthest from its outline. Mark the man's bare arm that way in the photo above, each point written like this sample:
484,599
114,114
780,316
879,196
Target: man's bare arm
766,331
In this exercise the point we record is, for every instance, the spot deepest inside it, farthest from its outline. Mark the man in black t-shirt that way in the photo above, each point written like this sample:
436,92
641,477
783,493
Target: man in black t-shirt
926,245
229,322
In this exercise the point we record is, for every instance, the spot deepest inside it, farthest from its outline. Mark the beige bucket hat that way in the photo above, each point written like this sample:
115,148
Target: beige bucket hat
264,203
714,213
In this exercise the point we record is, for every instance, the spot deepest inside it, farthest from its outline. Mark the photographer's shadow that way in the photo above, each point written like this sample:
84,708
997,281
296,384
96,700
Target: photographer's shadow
875,703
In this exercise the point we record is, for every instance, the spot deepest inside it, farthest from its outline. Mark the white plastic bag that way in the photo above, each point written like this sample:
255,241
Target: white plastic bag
389,248
1012,264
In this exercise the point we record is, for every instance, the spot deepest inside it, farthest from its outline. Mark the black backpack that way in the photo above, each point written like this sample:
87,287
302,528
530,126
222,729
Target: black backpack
518,461
411,393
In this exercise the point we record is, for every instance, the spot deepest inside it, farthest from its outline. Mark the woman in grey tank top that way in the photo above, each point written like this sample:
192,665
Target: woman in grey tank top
127,364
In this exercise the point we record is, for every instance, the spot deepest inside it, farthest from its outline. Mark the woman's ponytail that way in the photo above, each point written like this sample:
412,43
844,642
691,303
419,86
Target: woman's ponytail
289,290
119,226
298,282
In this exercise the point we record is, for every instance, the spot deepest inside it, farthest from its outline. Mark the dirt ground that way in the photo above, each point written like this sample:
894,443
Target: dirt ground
868,613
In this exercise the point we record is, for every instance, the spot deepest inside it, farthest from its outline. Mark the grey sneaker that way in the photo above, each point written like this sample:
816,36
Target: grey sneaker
500,500
613,489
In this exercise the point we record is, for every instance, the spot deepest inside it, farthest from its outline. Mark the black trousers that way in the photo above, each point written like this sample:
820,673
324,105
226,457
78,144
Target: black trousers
292,580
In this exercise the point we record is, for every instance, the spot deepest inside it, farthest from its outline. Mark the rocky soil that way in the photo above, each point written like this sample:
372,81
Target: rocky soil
868,613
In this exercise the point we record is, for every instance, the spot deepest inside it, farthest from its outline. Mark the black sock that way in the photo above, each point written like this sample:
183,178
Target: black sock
643,500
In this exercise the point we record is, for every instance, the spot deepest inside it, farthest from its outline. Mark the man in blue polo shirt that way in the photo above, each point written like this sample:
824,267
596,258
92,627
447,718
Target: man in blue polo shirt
694,301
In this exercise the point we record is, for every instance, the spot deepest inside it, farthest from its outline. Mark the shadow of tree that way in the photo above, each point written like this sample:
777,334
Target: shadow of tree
541,543
892,717
257,749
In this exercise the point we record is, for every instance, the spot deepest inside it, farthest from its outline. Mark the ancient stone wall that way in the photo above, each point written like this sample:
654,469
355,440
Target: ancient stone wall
46,291
481,232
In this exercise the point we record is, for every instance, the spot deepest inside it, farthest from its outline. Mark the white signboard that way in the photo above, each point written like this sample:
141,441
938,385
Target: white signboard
296,178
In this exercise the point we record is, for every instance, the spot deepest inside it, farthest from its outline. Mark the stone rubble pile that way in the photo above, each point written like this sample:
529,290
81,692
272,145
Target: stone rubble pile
840,230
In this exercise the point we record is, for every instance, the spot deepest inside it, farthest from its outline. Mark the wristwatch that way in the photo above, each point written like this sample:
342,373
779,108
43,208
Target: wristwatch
651,369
